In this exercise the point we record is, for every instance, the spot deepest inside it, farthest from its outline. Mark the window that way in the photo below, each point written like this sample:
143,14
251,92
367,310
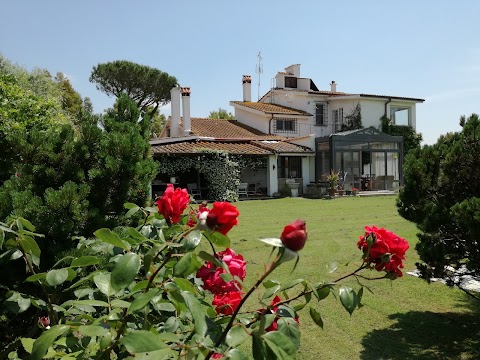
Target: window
400,115
338,119
321,114
285,125
289,166
290,82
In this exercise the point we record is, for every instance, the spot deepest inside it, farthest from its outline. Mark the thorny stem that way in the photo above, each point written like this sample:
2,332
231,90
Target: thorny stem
152,277
269,270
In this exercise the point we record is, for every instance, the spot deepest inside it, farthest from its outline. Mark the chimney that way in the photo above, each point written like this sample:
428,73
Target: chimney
333,86
187,122
175,107
247,87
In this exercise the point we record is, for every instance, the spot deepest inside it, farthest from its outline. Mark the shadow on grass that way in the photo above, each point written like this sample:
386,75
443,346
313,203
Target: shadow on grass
427,336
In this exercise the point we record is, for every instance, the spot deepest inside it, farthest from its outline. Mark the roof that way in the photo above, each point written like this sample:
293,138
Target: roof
271,108
255,147
339,93
226,129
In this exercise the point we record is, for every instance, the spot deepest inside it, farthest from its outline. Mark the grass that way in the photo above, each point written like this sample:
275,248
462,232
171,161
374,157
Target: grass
404,319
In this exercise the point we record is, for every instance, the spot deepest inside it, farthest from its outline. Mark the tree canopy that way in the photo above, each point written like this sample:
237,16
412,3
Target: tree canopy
146,86
221,114
441,194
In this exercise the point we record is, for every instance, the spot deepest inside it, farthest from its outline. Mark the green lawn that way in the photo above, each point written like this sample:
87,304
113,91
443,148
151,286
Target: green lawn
404,319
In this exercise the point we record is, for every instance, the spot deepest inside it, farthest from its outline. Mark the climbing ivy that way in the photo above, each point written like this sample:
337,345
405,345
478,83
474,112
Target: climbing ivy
411,139
221,170
353,120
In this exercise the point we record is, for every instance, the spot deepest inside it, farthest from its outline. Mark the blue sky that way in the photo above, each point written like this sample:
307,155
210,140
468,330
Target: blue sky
426,49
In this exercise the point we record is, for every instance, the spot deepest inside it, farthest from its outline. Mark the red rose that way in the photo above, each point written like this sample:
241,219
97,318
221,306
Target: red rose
210,273
172,203
44,321
227,303
273,309
217,356
387,251
222,217
294,235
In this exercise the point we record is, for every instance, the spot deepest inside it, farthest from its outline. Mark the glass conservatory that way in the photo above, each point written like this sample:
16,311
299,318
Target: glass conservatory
366,159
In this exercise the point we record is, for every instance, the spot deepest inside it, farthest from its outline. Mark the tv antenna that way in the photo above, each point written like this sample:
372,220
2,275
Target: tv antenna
259,71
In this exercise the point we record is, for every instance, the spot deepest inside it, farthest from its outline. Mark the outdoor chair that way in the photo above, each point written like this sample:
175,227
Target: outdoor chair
242,189
193,189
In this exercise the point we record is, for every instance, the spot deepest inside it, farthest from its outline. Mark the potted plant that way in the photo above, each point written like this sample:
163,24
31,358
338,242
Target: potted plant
354,191
333,182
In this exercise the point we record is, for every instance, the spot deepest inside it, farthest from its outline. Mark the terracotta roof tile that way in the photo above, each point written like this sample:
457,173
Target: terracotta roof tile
271,108
282,146
198,147
226,129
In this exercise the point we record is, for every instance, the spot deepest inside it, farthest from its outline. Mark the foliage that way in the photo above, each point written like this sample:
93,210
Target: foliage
333,179
411,139
221,114
353,120
146,86
72,102
149,302
441,195
158,123
72,181
221,170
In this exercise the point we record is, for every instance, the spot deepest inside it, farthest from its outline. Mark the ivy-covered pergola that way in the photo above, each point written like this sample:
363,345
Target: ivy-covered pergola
367,159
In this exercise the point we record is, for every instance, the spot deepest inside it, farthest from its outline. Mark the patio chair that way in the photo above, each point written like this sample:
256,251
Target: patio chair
242,189
193,189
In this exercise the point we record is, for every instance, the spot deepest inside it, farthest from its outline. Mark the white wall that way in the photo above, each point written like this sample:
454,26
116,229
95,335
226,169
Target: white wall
272,175
372,111
259,122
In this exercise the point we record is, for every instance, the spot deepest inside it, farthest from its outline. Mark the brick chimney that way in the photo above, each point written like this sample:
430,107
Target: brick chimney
333,86
247,87
187,122
175,108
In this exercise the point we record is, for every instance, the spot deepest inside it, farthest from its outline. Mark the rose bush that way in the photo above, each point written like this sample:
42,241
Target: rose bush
150,292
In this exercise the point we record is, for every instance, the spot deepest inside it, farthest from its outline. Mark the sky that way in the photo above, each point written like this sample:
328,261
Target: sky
427,49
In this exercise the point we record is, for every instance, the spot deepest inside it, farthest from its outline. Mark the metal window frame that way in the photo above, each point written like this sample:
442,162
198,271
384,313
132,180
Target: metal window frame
323,114
283,128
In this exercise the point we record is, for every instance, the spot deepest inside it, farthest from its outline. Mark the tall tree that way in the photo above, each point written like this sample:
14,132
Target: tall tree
71,100
441,194
221,114
146,86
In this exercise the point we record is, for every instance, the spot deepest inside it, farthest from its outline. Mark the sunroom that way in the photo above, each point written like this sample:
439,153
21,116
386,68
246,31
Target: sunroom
366,159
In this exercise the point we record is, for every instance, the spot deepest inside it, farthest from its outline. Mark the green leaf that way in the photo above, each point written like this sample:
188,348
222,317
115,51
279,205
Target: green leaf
17,304
135,234
86,302
132,211
192,240
150,209
348,298
273,242
36,277
92,330
85,261
322,292
218,239
184,285
117,303
290,284
142,300
187,265
236,354
104,284
166,353
359,296
125,270
109,237
27,344
129,205
236,336
317,319
29,245
57,277
2,238
270,283
26,224
41,345
289,327
271,291
197,312
142,341
258,347
280,344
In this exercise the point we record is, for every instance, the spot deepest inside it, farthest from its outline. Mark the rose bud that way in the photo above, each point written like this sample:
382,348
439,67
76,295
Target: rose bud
294,235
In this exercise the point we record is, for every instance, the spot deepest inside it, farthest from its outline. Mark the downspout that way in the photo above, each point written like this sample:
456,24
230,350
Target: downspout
388,102
270,125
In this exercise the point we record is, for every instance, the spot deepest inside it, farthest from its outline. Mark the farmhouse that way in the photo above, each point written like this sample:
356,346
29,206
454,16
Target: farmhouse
295,131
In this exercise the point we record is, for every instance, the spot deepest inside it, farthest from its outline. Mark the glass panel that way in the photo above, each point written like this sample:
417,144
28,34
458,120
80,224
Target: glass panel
392,179
377,174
